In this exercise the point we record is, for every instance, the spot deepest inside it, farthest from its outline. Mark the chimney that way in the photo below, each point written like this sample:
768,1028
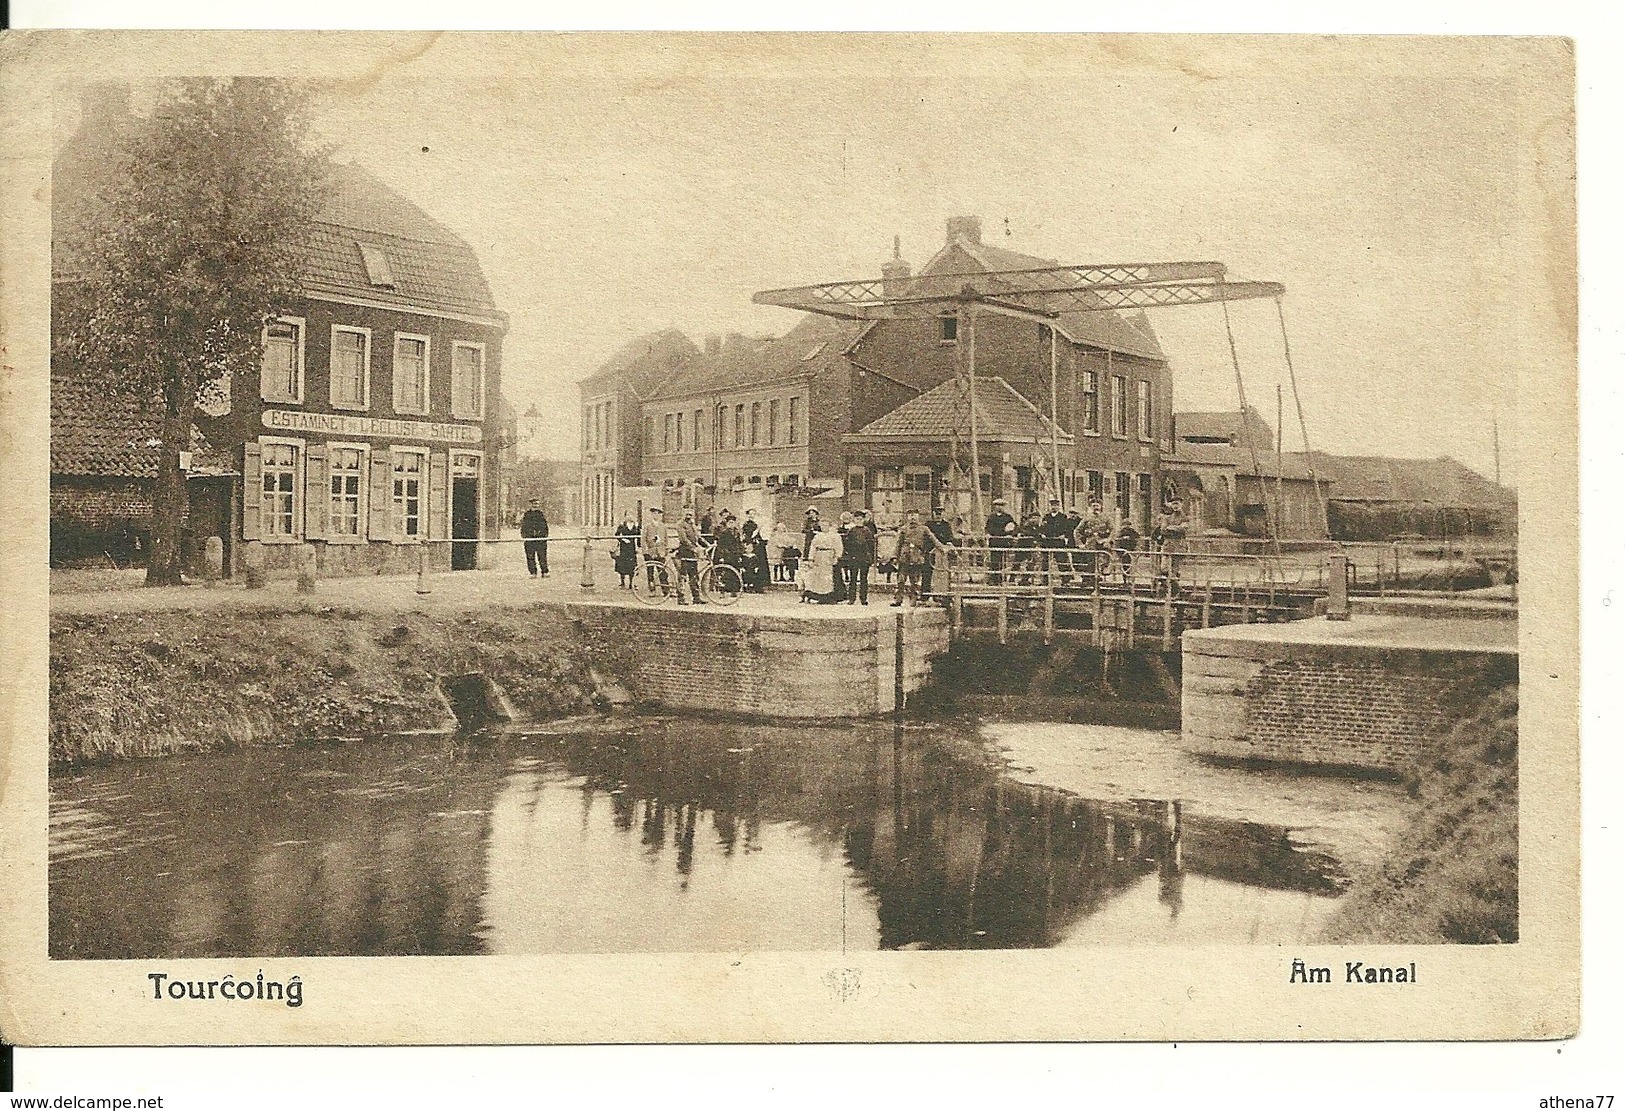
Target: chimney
895,273
713,344
968,228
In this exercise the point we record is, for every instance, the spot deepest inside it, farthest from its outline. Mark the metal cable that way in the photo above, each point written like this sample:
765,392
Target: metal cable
1252,448
1303,427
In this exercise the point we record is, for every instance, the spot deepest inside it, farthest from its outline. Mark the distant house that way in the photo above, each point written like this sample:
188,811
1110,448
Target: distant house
373,426
612,449
1225,475
1375,497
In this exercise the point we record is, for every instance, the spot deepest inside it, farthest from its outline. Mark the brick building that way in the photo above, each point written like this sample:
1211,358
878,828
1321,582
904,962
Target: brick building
800,411
375,423
1225,474
1112,405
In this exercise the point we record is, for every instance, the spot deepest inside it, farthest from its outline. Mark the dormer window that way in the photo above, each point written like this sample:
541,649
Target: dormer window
948,329
376,260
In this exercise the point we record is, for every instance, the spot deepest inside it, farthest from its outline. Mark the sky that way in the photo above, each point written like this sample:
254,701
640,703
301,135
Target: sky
617,185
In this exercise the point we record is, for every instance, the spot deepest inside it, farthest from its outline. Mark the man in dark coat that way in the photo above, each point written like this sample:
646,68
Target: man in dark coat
1001,531
858,554
939,538
533,528
1055,534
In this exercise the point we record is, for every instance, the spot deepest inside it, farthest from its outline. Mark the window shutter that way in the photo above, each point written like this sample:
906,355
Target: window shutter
437,495
378,495
251,490
315,491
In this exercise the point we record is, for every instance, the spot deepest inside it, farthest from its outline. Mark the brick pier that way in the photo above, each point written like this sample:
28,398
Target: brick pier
1371,693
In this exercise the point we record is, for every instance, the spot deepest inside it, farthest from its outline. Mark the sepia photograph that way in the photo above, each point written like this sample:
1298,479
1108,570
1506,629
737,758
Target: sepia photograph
717,497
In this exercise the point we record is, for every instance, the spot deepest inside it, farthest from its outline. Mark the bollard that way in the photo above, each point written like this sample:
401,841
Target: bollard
253,565
1337,589
586,566
305,577
423,568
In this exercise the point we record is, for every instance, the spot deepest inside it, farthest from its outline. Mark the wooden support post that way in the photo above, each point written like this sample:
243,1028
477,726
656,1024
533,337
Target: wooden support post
423,567
1246,603
1207,604
1049,611
1004,615
898,693
1168,609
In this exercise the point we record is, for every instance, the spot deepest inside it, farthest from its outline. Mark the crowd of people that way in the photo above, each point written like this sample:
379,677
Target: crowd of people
836,559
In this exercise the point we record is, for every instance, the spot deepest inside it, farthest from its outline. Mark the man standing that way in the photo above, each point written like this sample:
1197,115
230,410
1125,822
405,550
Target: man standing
655,547
912,542
1001,531
939,538
1055,533
860,557
533,529
688,559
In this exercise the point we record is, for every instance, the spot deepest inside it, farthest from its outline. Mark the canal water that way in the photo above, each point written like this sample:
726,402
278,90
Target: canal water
641,834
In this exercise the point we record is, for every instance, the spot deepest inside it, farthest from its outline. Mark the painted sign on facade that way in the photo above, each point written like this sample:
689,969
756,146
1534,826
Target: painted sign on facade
339,424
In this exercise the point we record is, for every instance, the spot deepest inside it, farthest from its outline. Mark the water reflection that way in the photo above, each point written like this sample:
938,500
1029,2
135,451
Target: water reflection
649,835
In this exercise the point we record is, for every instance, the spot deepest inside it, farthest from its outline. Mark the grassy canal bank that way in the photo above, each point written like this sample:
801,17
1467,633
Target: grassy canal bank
1453,874
149,684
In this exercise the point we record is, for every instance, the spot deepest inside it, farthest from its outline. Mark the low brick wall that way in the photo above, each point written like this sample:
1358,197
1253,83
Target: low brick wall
1336,705
729,661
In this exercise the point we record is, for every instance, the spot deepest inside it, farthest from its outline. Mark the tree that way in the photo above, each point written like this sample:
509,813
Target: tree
197,246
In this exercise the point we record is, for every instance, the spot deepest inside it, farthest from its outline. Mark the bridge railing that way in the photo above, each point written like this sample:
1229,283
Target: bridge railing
1123,587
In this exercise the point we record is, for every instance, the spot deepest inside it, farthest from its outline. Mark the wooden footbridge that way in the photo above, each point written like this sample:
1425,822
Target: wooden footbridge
1117,599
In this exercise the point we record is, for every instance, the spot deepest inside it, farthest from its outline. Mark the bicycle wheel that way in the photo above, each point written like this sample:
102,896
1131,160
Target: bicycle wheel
721,584
652,584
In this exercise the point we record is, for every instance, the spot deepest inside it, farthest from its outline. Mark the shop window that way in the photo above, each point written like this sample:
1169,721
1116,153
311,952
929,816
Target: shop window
407,493
282,361
345,467
279,490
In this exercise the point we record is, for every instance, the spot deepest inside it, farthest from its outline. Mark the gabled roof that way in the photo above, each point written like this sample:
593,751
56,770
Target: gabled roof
1442,481
1128,333
431,268
814,345
1229,427
1002,414
96,433
645,362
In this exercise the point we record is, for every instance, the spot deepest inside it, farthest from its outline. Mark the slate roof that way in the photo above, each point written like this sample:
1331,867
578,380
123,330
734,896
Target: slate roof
433,268
95,433
1442,481
1125,332
1002,414
815,344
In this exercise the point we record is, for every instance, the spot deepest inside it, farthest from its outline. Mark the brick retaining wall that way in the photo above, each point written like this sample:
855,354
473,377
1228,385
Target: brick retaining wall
1368,707
782,667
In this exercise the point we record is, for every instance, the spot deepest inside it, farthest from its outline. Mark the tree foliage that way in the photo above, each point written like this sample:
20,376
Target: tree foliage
197,239
196,245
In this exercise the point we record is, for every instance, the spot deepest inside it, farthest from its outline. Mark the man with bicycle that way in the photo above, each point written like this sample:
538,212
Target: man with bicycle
689,547
655,549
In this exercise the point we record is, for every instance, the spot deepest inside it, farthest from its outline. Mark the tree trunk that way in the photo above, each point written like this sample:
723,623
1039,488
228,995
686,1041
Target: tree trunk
169,501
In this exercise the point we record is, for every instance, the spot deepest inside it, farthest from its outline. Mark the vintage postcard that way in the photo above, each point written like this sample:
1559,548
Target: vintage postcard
689,537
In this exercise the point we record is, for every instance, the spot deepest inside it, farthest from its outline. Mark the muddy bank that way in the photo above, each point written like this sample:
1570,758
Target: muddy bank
157,683
1453,876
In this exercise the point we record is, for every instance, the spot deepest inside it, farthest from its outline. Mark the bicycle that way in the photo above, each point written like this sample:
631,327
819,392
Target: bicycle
657,580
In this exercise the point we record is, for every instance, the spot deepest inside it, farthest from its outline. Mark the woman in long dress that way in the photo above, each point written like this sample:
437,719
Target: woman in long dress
818,568
626,550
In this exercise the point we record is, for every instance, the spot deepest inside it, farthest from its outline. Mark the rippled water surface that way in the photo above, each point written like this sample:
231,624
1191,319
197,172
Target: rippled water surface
665,834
